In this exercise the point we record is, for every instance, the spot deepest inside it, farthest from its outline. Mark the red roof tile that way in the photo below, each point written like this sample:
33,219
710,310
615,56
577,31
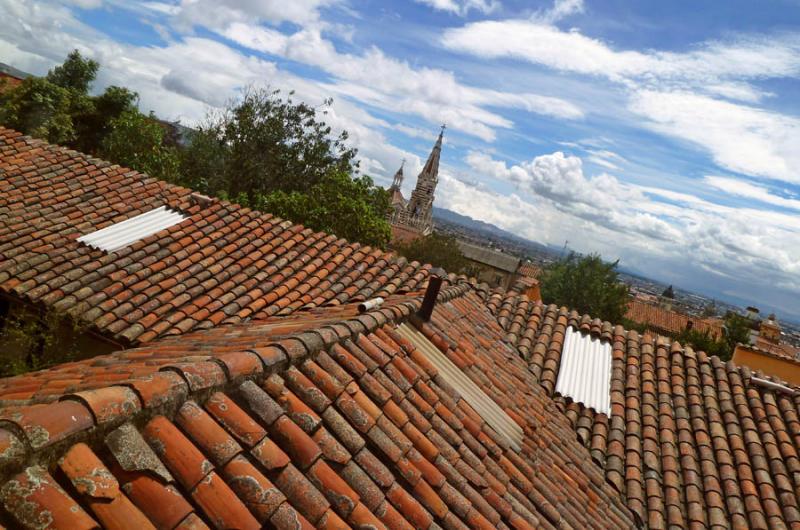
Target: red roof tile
661,320
325,440
224,264
690,441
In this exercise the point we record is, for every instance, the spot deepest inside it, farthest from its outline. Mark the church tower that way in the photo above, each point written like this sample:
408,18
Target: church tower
397,214
397,183
420,206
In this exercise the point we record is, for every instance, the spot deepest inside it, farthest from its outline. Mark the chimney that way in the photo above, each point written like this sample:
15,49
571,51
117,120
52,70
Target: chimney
431,293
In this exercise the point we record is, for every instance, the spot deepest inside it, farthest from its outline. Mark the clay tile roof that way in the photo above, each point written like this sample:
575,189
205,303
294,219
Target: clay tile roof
529,270
661,320
690,441
329,420
225,264
783,351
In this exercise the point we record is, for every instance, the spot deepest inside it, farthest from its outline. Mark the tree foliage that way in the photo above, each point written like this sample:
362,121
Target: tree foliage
279,156
439,250
39,108
135,140
76,73
60,109
264,150
352,208
736,331
587,284
263,143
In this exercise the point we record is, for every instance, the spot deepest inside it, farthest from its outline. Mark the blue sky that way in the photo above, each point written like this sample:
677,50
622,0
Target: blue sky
665,134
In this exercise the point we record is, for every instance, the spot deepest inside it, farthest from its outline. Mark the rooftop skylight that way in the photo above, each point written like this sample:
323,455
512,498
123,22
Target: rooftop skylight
472,393
585,373
124,233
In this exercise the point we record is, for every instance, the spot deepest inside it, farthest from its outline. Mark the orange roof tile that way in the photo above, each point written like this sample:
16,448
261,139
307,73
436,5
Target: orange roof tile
328,418
224,264
661,320
783,350
345,429
691,440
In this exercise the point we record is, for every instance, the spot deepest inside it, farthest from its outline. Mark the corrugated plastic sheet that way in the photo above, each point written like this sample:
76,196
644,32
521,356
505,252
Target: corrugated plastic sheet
477,398
122,234
585,373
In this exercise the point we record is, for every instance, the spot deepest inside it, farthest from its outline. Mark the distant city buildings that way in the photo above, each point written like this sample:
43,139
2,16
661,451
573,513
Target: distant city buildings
768,353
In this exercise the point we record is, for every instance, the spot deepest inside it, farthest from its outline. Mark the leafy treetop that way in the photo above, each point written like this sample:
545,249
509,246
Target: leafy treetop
263,150
439,250
76,73
263,143
587,284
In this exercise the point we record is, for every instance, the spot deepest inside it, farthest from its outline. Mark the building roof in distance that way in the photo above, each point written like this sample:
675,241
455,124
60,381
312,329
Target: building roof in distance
487,256
10,71
667,321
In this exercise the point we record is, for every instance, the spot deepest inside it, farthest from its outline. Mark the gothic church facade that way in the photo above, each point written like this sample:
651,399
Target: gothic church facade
415,215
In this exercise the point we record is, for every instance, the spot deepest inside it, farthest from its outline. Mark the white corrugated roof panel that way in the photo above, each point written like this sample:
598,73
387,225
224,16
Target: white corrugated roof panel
472,393
124,233
585,372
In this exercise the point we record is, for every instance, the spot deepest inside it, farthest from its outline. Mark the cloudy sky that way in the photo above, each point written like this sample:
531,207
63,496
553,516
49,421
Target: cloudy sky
665,134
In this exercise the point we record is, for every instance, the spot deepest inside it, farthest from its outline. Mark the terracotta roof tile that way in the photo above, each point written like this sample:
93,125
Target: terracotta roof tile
690,440
36,500
661,320
278,404
223,264
307,443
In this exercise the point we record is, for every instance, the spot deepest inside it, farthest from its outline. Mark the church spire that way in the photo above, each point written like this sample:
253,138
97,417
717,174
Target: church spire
431,169
420,206
397,183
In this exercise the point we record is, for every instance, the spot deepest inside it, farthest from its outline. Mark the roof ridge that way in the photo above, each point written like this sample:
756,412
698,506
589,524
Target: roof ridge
37,433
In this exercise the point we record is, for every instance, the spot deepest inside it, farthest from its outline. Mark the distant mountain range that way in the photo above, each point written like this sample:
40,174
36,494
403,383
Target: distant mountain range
487,230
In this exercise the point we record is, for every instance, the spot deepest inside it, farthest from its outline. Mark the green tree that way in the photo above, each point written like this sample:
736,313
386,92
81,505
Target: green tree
352,208
737,330
439,250
76,73
279,156
587,284
263,143
703,341
95,123
39,108
58,107
137,141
